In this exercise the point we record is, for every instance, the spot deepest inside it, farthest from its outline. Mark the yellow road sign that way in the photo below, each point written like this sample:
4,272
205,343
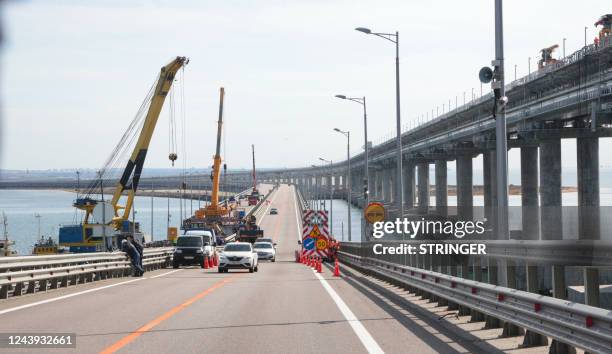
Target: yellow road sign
374,212
321,244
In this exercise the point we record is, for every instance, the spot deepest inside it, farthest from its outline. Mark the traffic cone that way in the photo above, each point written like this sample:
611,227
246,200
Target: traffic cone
319,267
206,264
336,269
215,261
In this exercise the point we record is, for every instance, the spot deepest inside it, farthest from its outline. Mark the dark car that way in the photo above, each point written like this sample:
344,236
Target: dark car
273,211
191,249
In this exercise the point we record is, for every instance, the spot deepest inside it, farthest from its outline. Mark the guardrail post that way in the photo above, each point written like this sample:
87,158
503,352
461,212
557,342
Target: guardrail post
533,339
453,272
477,271
509,267
464,310
492,273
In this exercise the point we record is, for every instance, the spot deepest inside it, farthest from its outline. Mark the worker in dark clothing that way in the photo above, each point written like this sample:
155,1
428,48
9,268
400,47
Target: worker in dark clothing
134,255
139,248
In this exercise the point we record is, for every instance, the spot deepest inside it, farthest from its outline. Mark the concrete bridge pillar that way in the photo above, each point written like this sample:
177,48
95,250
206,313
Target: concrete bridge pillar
529,193
409,186
392,185
588,188
441,188
465,197
387,181
588,208
423,190
550,189
490,189
379,185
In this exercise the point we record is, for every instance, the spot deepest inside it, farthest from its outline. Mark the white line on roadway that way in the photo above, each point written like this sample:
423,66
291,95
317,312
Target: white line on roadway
298,224
162,274
42,302
362,333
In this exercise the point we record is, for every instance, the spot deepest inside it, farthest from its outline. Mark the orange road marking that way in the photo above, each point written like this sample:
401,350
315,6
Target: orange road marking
150,325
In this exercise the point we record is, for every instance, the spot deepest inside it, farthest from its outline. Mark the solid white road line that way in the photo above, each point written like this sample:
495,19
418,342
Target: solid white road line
42,302
362,333
161,275
2,312
298,224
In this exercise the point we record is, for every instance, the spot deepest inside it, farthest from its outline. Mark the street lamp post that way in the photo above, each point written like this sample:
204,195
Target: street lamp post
501,143
366,179
564,39
394,38
348,178
331,193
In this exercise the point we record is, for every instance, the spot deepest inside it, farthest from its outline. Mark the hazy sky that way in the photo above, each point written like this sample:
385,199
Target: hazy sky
75,72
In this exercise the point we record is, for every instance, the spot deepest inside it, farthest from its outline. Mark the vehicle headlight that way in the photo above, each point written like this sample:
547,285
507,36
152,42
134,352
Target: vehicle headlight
178,251
198,251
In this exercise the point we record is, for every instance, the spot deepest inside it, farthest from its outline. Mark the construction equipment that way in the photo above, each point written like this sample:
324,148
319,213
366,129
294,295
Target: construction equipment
215,216
254,197
249,231
606,31
547,58
110,218
214,210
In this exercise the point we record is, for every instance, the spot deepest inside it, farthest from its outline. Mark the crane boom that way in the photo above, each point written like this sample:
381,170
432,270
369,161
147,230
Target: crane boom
136,161
214,198
254,176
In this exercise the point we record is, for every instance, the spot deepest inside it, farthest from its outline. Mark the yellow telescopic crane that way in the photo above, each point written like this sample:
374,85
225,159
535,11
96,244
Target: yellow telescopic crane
214,209
135,163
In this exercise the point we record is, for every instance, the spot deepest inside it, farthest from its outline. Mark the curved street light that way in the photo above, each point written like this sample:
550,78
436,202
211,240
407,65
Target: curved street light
347,184
394,38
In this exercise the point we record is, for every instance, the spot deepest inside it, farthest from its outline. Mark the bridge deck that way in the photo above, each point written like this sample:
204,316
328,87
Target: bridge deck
283,308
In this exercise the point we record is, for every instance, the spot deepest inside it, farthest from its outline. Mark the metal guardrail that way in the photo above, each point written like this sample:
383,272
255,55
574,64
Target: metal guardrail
582,326
573,253
41,273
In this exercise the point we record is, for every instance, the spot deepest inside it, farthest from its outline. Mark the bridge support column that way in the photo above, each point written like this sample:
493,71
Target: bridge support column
390,191
423,190
441,188
551,217
529,193
387,185
588,188
550,190
409,186
379,185
490,190
465,197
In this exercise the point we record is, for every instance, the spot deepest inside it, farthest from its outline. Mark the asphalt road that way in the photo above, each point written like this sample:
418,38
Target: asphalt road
283,308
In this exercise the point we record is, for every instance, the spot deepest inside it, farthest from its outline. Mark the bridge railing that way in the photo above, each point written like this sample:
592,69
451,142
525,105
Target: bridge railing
575,324
32,274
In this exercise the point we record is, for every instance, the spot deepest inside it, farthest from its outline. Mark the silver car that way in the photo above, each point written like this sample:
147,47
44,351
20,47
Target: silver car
265,250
